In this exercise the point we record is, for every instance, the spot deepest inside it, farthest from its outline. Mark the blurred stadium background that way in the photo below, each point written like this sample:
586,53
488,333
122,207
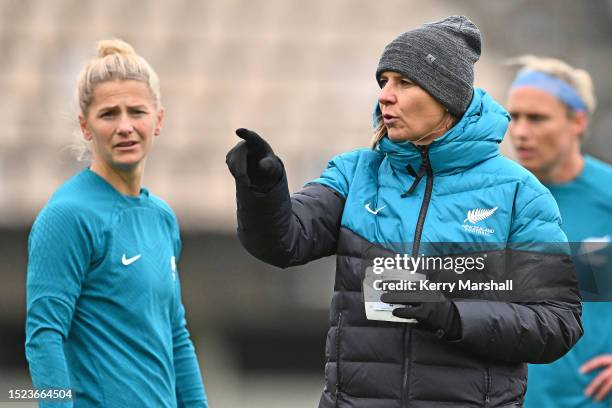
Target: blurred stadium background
299,72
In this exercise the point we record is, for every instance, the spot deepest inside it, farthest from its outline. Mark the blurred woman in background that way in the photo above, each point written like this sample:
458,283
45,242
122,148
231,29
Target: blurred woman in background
551,104
105,323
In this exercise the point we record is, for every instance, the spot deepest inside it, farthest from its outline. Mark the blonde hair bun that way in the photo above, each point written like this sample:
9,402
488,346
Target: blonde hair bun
115,46
116,60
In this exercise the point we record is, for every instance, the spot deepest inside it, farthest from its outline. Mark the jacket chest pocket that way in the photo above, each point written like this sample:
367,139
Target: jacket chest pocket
332,361
337,346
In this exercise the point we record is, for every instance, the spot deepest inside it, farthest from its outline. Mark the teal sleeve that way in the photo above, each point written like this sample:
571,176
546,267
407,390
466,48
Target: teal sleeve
536,226
58,256
339,172
190,391
45,348
334,178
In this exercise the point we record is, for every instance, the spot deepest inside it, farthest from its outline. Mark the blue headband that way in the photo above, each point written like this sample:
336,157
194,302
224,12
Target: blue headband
554,86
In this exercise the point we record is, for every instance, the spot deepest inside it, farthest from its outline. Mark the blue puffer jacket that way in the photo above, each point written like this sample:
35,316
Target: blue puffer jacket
457,190
467,172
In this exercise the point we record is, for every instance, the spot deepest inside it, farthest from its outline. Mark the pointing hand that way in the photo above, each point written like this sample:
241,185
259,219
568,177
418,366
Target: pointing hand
253,161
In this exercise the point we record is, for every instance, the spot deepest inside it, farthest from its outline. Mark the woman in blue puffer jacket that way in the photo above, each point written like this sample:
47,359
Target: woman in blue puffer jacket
433,179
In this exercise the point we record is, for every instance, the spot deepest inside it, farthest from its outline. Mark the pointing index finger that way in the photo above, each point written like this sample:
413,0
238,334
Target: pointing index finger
247,135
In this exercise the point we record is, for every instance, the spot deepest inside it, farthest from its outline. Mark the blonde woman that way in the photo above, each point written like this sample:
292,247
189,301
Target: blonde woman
105,323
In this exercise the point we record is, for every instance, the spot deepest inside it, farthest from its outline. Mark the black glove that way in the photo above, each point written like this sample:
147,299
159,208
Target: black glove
433,311
253,162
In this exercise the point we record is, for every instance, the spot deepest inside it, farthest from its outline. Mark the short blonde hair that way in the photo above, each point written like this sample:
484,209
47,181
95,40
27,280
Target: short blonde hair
380,131
578,79
116,60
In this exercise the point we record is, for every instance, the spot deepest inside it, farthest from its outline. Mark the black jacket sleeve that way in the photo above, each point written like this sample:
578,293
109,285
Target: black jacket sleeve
538,322
285,230
514,332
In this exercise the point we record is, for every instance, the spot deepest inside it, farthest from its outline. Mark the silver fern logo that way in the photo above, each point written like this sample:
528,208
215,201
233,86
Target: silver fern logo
479,214
475,216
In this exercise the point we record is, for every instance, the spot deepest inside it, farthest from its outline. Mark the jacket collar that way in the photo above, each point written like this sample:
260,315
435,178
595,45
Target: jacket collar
474,139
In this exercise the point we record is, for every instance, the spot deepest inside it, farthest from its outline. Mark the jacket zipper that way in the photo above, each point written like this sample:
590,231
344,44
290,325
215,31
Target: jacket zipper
415,252
487,387
338,358
425,205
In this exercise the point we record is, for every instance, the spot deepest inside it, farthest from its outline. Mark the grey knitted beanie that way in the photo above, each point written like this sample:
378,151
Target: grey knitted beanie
439,57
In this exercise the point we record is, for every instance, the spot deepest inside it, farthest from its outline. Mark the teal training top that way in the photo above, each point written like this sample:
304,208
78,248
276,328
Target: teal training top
586,209
104,311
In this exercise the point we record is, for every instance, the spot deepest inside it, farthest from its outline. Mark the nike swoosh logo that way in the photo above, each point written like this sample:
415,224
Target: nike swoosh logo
367,207
129,261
